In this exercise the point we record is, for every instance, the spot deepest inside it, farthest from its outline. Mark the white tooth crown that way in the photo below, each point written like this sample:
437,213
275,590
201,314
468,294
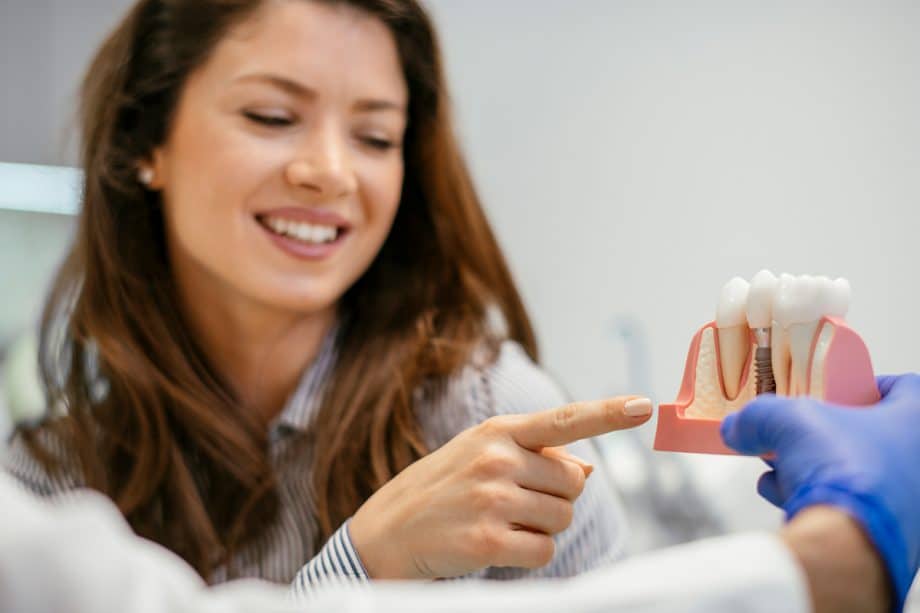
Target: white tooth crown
839,301
305,232
760,300
732,303
798,300
793,308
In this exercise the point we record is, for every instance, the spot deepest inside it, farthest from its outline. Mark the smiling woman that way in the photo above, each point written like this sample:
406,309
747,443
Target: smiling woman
285,320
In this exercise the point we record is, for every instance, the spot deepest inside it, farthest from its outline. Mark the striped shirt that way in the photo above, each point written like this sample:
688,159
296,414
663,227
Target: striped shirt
286,553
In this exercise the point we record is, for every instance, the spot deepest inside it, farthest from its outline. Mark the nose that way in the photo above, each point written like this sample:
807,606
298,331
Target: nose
322,166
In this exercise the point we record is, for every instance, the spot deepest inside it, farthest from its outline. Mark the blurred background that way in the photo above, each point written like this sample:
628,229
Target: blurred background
632,156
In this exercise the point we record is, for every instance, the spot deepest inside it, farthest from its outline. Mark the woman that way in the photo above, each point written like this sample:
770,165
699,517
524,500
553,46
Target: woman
283,292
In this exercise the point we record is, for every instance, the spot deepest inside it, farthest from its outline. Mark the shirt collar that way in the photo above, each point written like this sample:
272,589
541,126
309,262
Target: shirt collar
302,405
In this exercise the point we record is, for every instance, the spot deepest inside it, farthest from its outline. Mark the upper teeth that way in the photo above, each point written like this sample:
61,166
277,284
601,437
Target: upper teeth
312,233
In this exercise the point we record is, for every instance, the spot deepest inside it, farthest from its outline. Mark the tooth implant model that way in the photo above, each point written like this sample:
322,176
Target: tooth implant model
785,335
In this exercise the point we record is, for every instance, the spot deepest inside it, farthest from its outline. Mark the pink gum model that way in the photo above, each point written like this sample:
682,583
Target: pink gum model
848,380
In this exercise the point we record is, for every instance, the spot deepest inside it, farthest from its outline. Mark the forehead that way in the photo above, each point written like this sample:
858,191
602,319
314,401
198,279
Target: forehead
335,49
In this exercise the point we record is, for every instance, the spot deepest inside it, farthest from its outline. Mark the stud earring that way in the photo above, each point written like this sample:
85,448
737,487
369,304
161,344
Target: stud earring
145,175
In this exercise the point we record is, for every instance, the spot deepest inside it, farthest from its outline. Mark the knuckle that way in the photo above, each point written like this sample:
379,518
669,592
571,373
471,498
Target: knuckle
494,426
566,515
489,497
544,552
559,516
486,541
564,416
496,461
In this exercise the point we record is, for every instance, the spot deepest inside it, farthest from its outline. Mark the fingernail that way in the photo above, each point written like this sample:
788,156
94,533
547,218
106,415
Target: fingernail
638,407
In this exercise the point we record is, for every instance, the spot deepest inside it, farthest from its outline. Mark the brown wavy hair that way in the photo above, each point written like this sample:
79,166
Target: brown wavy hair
144,414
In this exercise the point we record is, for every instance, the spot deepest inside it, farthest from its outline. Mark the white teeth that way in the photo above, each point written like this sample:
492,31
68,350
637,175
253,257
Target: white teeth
839,298
798,300
732,303
760,300
305,232
734,334
799,305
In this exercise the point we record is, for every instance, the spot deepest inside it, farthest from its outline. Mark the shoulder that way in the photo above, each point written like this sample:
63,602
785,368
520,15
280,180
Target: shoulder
494,382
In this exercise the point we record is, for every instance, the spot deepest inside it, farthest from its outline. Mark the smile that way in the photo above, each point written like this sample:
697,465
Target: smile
311,234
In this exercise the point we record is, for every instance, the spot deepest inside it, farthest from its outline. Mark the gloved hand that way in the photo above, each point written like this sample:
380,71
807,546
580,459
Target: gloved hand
864,460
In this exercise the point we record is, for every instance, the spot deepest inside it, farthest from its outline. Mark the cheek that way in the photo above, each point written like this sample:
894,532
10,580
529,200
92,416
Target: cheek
384,192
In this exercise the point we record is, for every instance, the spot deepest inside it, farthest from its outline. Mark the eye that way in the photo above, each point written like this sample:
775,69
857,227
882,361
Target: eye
381,144
272,121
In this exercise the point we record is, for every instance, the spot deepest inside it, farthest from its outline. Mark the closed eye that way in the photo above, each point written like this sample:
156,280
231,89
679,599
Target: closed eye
274,121
381,144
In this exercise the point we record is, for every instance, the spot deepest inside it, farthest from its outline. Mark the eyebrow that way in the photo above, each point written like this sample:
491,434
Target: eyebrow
300,90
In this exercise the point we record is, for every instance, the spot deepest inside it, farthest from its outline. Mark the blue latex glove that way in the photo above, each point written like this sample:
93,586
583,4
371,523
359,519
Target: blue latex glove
864,460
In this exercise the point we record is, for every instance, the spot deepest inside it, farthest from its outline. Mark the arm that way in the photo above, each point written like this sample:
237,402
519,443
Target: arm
81,557
859,460
843,570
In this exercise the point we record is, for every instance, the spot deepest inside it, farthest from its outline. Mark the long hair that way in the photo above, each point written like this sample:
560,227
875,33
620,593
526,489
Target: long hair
150,422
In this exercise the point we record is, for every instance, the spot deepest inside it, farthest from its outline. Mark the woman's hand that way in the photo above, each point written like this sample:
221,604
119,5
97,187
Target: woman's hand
493,496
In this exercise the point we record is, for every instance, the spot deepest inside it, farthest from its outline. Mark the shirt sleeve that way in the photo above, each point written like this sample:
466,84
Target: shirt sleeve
17,460
337,564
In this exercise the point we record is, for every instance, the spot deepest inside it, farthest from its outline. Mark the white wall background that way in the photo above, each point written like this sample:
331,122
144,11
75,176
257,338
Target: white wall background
633,156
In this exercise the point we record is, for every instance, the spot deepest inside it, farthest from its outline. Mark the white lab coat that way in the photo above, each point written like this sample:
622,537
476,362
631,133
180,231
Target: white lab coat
80,556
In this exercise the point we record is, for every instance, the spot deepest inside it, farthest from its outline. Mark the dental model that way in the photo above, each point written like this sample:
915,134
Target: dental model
785,335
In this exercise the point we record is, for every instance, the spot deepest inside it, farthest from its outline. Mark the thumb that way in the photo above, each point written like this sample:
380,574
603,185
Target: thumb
760,427
578,420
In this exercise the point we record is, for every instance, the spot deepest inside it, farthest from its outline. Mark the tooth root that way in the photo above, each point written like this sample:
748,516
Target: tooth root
734,348
801,337
781,359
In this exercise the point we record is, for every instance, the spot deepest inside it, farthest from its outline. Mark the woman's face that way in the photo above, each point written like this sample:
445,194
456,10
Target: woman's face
283,168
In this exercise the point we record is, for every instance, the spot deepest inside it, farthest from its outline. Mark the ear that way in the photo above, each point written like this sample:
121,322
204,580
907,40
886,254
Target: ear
157,164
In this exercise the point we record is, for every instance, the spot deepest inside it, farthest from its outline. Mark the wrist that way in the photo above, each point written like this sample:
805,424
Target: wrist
377,554
843,569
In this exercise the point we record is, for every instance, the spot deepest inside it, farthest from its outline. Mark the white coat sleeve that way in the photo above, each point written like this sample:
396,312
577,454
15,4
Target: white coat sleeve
80,556
749,573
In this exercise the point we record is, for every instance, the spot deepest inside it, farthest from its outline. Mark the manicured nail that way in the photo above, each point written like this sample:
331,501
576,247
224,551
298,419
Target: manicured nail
638,407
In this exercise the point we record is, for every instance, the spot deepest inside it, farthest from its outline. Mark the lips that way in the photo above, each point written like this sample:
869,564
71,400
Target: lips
310,234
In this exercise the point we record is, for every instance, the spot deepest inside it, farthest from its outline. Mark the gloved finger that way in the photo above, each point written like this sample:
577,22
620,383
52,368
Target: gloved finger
765,423
768,487
884,383
895,387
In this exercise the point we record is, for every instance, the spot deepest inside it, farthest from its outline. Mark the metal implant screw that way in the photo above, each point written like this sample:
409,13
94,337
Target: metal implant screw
763,365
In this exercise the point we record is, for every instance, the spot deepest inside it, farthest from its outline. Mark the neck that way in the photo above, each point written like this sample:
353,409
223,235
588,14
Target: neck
260,351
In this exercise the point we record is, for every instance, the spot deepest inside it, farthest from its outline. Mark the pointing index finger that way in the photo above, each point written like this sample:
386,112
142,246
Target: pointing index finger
578,420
